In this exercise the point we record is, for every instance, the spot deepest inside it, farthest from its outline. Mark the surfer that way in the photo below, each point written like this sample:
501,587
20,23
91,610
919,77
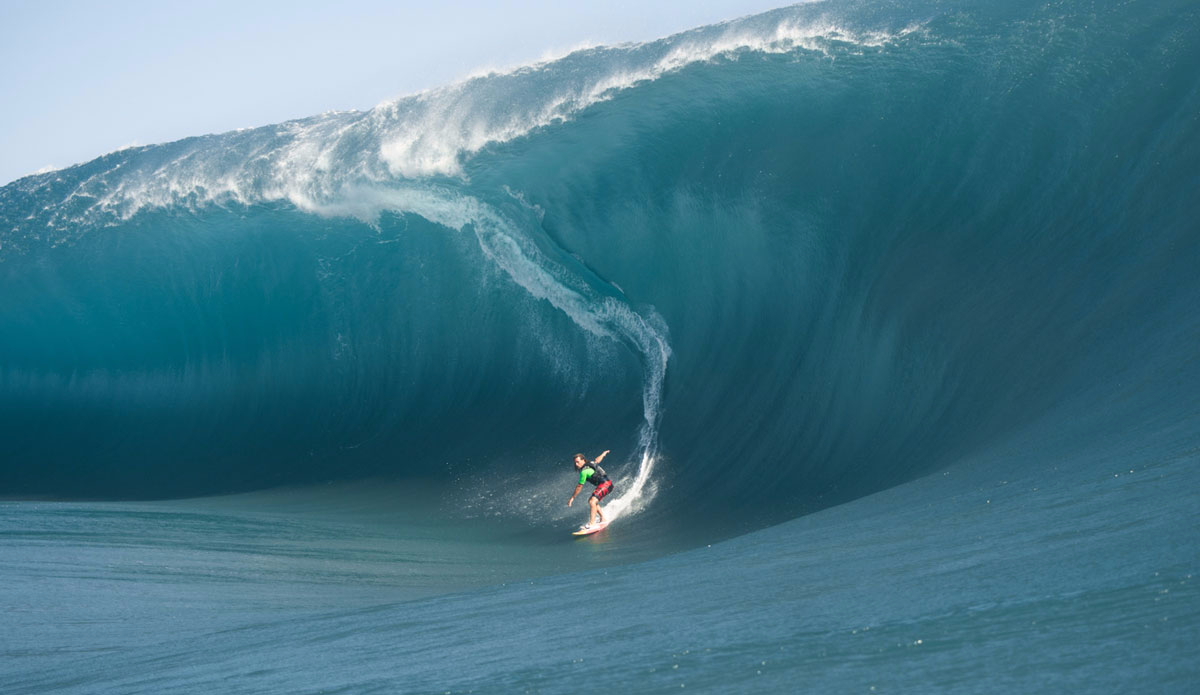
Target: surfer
594,474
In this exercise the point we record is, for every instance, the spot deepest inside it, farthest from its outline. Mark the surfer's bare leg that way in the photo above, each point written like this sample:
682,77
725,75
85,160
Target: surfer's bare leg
595,505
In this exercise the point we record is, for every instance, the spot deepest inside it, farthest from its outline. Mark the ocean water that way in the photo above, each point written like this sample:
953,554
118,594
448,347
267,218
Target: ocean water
888,311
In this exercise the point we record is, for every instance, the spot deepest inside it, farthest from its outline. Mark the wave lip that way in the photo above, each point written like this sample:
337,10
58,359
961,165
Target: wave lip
313,162
430,134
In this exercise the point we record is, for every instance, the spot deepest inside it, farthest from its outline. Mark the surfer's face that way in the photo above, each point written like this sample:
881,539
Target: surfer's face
579,461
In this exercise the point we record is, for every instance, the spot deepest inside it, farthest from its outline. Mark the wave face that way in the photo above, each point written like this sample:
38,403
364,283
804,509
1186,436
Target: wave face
795,258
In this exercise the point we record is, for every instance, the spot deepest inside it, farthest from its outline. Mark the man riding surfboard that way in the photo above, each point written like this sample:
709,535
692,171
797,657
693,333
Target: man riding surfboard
594,474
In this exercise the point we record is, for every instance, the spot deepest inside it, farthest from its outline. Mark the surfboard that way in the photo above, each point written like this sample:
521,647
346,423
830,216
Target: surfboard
589,531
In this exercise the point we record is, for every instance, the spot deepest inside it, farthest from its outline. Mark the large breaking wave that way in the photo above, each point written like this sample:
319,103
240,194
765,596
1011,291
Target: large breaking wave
793,259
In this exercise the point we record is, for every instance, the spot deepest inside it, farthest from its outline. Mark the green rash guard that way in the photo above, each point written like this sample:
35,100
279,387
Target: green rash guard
586,472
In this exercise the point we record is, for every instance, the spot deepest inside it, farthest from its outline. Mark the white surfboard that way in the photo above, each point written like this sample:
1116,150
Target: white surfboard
591,529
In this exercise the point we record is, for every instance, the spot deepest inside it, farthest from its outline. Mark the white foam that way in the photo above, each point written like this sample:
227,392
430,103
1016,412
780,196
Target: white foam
434,133
502,242
550,55
454,125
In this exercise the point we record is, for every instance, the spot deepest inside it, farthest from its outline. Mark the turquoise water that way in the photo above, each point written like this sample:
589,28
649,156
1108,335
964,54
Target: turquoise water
889,313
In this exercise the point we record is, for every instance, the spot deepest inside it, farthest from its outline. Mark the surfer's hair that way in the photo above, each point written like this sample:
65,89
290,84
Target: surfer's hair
576,457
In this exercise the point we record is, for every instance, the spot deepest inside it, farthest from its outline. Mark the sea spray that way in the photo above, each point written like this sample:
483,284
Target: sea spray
606,315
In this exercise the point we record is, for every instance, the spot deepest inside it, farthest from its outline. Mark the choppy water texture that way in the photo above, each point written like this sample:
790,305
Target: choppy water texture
888,311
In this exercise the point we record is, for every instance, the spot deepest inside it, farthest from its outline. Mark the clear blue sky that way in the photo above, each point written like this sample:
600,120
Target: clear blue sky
80,79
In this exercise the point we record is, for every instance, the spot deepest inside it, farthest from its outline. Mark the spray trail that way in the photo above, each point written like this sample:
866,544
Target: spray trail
503,242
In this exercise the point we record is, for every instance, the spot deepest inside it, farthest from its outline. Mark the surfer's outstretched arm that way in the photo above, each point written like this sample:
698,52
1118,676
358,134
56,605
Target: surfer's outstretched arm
600,458
577,489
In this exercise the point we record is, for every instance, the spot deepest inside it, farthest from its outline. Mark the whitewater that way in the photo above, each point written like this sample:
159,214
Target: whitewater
888,311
